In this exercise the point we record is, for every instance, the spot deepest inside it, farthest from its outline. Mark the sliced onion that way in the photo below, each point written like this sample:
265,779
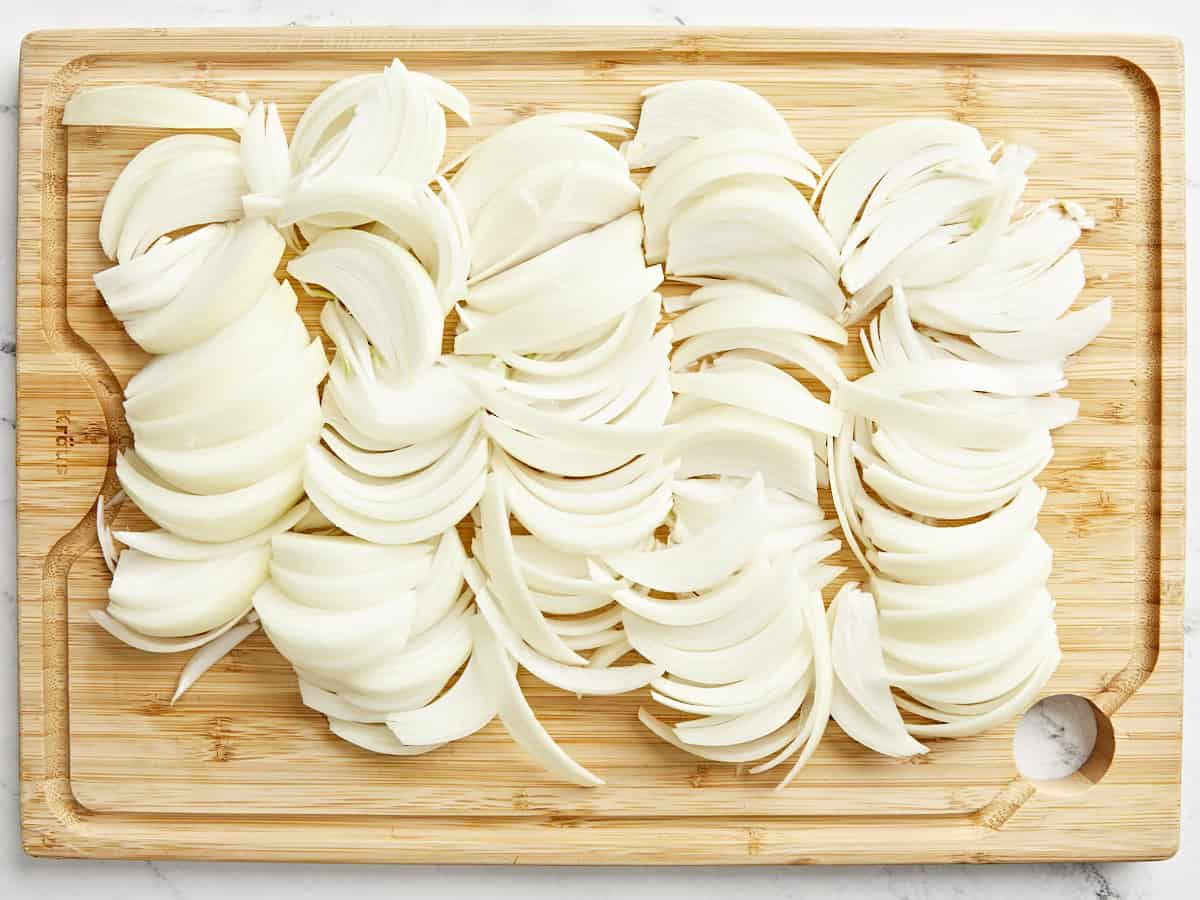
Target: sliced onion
862,702
712,556
232,279
155,278
507,581
676,113
1064,337
376,738
519,720
703,163
576,679
386,290
150,106
190,181
463,710
209,655
264,151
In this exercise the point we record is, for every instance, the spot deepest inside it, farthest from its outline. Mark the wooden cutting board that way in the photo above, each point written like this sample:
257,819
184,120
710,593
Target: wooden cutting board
240,770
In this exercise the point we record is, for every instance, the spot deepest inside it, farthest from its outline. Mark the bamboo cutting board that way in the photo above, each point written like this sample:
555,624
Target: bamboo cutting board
241,770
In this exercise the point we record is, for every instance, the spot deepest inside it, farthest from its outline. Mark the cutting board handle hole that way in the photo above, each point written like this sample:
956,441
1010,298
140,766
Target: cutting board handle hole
1064,744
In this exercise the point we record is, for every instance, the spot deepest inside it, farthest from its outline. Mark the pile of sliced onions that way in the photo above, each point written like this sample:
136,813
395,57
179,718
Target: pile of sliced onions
635,487
933,473
375,631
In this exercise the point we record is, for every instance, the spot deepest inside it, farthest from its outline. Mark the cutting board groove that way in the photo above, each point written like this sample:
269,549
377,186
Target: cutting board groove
241,770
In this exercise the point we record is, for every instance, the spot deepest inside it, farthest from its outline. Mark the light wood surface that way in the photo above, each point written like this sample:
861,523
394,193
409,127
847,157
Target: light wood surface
240,770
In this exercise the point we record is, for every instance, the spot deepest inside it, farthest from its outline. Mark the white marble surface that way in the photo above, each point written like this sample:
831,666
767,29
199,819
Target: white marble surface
21,877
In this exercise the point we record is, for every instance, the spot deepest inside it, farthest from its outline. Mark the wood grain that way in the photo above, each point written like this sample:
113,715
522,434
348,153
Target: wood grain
240,770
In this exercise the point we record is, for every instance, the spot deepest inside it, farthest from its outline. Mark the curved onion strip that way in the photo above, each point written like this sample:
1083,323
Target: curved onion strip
209,655
574,311
414,672
962,649
507,580
700,165
969,598
594,639
583,533
744,306
399,531
519,720
739,624
964,726
147,644
333,706
268,399
172,382
763,650
140,171
848,183
552,571
150,106
902,456
981,682
640,355
738,695
762,388
342,555
583,625
169,598
241,462
934,375
545,205
818,714
597,123
710,606
605,656
441,588
614,249
303,632
676,113
215,518
735,228
935,502
578,496
152,280
641,318
408,496
743,753
264,152
379,413
548,455
862,701
790,348
390,463
376,738
386,290
724,440
417,218
576,679
464,709
231,281
950,425
710,557
725,730
166,545
1066,336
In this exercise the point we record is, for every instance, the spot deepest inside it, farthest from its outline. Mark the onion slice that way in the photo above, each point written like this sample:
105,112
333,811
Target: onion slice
519,720
150,106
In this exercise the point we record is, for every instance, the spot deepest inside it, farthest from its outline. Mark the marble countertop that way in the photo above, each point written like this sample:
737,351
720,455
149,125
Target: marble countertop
22,877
